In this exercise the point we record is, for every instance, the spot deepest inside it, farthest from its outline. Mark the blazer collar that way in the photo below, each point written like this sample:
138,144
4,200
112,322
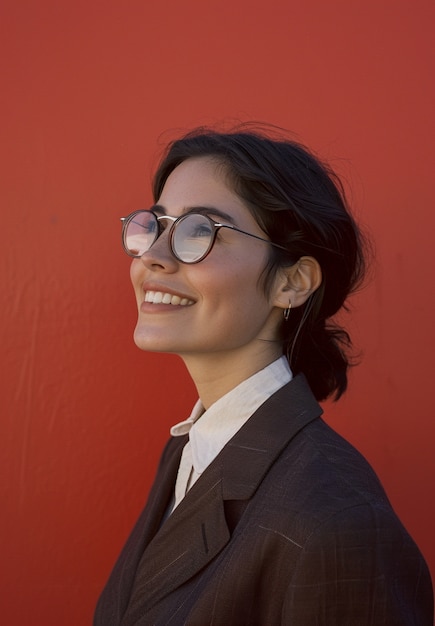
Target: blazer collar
197,530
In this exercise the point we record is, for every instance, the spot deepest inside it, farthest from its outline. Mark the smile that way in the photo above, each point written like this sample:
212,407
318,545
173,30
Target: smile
158,297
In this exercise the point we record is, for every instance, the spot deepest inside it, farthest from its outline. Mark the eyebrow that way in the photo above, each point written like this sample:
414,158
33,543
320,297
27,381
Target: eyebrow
204,210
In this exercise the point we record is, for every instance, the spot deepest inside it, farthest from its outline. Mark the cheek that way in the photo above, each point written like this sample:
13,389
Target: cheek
234,289
136,275
134,271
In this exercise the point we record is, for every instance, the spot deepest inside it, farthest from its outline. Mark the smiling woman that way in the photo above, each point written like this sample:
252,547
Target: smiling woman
260,513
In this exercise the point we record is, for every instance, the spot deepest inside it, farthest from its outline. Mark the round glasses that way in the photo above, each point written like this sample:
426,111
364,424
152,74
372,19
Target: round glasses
191,236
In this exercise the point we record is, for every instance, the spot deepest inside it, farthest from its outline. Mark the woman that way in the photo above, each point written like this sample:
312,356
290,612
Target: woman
260,514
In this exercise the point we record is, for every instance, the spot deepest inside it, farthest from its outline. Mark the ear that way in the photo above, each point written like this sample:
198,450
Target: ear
297,282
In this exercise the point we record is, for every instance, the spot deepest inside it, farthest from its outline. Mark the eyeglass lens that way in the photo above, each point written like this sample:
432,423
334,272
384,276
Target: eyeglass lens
191,236
140,232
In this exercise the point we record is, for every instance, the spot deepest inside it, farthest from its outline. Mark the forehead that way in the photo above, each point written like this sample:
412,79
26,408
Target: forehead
202,182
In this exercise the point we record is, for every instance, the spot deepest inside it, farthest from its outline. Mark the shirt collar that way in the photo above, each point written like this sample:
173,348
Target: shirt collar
182,428
227,415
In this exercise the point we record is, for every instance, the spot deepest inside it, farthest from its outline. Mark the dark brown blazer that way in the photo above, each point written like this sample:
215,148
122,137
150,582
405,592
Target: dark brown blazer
288,525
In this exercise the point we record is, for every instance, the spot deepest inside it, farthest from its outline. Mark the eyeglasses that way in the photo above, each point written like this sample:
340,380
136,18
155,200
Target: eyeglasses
191,236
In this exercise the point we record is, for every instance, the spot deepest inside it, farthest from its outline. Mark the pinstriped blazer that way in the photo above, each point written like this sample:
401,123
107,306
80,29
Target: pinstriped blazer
288,525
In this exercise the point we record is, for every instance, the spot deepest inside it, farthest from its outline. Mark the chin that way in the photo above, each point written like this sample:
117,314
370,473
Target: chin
150,343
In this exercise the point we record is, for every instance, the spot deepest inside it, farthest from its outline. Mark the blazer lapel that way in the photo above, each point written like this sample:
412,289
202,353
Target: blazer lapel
197,530
193,535
162,489
117,592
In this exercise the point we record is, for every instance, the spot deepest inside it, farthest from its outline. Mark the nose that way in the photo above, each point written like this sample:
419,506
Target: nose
159,256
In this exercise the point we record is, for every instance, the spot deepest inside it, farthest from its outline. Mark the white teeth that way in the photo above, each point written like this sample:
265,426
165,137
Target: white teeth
157,297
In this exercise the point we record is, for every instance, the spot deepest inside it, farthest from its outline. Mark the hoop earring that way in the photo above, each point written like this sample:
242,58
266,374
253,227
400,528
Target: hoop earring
287,311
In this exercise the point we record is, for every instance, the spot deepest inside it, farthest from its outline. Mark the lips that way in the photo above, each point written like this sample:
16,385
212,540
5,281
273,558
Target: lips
160,297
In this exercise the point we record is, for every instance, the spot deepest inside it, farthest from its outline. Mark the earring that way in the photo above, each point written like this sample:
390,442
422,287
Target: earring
287,311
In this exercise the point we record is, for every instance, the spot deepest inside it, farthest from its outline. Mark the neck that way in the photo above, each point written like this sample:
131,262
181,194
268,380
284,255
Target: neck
215,375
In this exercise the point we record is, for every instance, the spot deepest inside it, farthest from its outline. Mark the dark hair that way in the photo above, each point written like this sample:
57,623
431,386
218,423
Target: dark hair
300,204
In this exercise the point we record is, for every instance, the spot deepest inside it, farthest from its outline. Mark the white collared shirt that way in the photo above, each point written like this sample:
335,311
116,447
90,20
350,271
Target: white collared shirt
221,421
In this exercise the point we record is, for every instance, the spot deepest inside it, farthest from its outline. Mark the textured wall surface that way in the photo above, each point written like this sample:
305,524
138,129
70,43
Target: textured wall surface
89,91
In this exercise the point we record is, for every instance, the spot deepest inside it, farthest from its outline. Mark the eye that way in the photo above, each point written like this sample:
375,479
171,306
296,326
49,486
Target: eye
141,225
202,230
149,227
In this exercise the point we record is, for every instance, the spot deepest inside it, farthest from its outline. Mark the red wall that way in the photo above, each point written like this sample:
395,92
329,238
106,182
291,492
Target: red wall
87,89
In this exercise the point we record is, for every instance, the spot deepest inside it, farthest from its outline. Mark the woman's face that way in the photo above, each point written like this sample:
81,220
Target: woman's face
215,307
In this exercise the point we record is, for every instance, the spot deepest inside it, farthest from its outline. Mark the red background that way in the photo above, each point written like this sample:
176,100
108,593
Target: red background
87,90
